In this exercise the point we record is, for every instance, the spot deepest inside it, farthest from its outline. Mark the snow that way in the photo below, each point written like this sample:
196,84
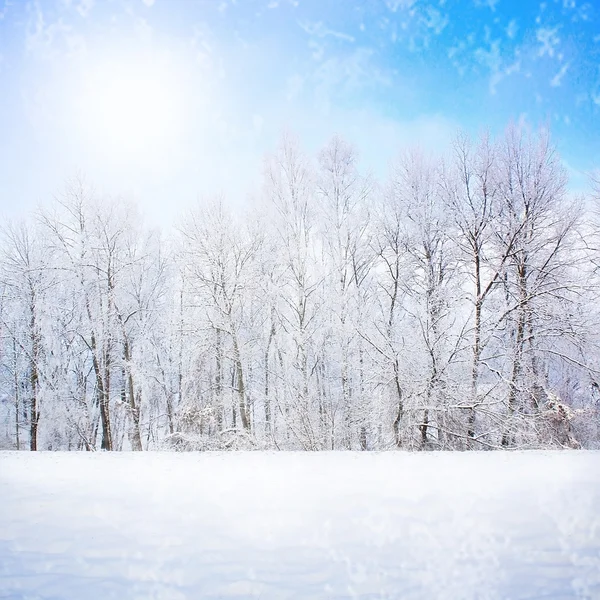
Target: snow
300,525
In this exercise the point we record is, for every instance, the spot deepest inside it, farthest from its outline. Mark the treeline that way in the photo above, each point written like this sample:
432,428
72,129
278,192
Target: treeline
453,306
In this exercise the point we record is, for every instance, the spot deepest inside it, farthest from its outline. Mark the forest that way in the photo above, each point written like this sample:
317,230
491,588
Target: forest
451,306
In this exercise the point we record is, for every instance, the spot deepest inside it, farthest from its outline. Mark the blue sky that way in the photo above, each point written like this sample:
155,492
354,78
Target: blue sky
221,80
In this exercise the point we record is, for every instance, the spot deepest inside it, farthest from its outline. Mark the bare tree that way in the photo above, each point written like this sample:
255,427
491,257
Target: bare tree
534,229
219,258
26,282
453,307
289,186
343,197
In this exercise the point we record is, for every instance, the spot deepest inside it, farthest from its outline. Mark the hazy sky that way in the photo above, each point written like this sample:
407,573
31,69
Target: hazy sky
169,100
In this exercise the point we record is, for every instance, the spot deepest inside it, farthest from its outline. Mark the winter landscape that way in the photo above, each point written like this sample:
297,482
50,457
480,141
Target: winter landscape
299,299
300,525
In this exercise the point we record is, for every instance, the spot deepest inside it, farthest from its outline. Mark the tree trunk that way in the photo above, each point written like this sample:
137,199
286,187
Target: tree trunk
134,432
346,402
471,418
17,395
34,408
266,362
102,400
219,405
241,388
400,406
508,435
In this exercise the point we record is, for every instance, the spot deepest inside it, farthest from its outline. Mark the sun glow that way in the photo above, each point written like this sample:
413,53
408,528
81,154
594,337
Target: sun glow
132,110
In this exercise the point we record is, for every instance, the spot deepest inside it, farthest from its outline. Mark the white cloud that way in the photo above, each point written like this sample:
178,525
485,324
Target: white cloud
512,28
585,13
148,3
499,67
514,68
549,40
435,20
557,79
394,5
491,59
84,7
491,4
346,75
203,44
52,40
318,50
318,29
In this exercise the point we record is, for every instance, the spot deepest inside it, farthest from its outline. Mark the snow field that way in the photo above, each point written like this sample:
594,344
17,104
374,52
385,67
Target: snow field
300,525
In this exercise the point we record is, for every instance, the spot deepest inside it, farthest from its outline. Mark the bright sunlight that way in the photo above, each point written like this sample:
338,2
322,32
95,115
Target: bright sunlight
132,110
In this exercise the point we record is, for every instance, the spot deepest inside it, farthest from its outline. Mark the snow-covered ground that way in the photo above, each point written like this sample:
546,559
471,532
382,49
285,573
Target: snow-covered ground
290,525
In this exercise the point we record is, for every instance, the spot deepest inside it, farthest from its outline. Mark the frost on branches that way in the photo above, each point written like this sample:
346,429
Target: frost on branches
451,306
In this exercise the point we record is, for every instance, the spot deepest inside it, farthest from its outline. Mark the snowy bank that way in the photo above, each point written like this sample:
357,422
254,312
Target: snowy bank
300,525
